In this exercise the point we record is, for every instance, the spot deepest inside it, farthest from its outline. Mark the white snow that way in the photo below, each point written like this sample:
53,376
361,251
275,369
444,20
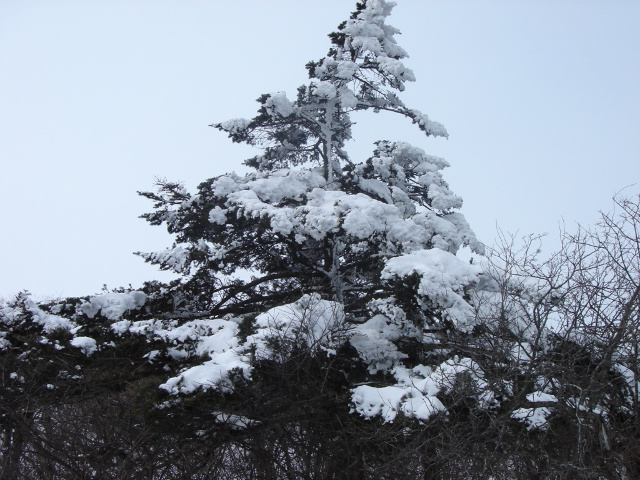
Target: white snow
278,103
346,69
322,89
285,184
121,327
442,198
86,344
347,97
48,321
432,128
534,418
373,341
415,394
226,184
396,68
217,216
541,397
443,279
311,321
214,338
174,258
210,374
113,305
235,125
4,343
384,401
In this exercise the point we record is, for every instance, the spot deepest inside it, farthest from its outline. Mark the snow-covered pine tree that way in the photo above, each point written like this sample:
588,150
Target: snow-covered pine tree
323,321
317,293
316,246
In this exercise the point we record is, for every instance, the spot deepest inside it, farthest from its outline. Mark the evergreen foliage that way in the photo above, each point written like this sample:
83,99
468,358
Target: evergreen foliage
322,325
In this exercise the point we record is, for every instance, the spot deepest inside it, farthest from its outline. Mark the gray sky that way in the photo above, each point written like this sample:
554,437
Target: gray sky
541,100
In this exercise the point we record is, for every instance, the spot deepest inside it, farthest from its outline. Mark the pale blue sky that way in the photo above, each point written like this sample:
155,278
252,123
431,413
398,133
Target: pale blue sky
541,100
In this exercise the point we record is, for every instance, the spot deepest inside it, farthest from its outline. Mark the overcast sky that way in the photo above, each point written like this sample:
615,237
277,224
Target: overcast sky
97,98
